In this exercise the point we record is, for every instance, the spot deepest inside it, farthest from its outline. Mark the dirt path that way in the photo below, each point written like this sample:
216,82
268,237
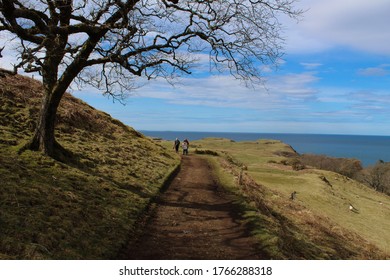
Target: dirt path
194,219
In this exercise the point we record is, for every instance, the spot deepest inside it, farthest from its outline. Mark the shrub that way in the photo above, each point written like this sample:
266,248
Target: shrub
344,166
297,164
206,152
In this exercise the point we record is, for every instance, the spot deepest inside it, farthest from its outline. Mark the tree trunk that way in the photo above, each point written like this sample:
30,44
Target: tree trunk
44,137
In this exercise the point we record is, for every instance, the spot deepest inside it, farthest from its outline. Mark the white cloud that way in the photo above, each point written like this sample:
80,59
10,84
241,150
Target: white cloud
378,71
225,91
358,24
311,66
9,54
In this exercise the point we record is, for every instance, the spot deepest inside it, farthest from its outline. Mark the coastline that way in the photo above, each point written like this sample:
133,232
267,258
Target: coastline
366,148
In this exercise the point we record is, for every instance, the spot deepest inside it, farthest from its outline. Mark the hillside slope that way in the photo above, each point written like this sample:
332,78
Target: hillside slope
317,223
85,208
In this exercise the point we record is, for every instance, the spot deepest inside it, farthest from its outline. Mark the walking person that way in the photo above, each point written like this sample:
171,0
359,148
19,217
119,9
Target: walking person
185,146
176,145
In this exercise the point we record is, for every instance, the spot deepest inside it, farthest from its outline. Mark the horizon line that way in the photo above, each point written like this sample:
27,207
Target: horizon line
243,132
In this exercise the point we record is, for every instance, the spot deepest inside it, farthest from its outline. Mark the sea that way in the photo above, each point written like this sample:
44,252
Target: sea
367,149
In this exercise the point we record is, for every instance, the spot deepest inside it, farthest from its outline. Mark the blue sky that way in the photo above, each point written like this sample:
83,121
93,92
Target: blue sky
333,79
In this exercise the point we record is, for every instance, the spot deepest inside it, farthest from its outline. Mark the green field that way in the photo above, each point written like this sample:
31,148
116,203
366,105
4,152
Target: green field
318,220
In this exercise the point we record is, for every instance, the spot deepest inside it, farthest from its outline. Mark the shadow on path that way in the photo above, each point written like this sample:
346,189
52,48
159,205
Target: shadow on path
193,219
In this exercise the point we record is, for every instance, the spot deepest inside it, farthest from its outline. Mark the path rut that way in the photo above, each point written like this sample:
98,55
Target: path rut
194,219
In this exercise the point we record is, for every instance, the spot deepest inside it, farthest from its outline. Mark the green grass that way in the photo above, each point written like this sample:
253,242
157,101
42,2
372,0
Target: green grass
318,223
86,208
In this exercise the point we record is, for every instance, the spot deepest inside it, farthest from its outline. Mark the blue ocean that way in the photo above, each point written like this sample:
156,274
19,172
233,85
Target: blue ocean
367,149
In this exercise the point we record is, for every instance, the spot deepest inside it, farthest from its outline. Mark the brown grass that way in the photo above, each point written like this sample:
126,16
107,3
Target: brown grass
87,208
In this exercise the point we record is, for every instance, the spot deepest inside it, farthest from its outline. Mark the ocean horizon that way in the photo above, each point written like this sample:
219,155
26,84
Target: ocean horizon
366,148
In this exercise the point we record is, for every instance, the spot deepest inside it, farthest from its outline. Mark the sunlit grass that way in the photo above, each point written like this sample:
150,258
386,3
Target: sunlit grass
318,223
86,207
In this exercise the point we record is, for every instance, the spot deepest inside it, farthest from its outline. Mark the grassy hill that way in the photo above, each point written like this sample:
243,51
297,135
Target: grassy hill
86,207
318,223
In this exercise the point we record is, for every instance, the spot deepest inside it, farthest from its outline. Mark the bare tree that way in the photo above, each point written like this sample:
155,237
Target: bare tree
65,41
378,177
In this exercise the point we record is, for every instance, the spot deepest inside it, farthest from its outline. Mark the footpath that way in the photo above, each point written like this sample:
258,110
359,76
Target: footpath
194,219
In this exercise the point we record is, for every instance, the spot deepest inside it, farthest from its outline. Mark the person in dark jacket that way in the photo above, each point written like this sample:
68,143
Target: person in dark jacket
176,145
